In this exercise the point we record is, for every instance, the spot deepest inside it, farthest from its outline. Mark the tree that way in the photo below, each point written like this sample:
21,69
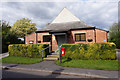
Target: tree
114,34
23,27
7,36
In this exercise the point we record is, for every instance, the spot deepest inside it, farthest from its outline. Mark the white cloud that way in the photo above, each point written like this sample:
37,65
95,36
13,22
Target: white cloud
97,13
60,0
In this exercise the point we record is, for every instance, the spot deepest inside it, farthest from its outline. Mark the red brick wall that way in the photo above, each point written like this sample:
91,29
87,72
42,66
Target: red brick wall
40,37
54,43
89,35
101,35
31,37
70,37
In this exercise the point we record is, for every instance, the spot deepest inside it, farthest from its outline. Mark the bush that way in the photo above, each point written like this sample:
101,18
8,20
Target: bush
28,50
105,51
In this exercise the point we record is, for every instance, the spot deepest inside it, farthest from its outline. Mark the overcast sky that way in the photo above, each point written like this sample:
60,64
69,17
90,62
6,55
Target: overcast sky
93,12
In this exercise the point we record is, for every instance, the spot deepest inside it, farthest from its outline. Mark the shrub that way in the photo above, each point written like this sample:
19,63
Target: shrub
28,50
105,51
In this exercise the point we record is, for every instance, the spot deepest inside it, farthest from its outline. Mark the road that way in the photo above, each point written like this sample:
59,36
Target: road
27,74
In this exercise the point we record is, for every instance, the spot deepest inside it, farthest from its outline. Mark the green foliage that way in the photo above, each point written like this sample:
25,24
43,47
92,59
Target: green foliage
114,34
28,50
23,27
105,51
7,36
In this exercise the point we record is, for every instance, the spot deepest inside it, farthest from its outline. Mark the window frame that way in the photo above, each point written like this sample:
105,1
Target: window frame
45,36
79,37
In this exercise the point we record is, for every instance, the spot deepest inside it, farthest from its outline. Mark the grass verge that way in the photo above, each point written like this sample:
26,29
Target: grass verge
0,60
20,60
90,64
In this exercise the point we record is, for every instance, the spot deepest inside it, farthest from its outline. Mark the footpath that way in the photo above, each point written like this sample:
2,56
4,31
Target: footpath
4,55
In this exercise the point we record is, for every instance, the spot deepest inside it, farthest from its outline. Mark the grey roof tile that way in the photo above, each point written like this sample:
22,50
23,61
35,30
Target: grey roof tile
64,26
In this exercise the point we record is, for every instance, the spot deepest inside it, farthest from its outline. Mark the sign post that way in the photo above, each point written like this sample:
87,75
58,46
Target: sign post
62,52
60,57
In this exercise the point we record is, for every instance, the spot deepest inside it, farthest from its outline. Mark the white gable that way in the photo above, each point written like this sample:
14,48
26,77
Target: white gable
65,16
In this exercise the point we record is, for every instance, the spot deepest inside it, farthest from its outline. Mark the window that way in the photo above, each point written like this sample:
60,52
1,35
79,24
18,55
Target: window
46,38
80,37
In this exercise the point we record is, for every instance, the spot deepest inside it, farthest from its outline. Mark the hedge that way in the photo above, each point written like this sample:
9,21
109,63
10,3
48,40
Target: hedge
104,51
28,50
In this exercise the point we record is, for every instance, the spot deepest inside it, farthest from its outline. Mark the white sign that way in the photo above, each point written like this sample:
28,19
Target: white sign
62,52
104,40
53,38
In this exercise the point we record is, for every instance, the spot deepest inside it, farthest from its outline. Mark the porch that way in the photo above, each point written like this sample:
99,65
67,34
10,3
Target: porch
57,39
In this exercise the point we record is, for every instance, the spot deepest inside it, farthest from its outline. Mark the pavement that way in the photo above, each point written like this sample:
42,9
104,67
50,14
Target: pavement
51,67
4,55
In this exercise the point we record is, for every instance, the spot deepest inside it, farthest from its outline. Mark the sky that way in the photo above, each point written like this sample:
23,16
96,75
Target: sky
99,13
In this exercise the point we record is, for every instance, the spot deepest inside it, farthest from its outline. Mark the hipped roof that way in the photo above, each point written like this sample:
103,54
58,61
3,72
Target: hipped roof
64,26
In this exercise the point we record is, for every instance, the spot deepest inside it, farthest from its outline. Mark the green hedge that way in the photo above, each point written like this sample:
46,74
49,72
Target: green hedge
28,50
105,51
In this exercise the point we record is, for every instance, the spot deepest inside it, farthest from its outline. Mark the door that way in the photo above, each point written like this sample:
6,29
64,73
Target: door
61,39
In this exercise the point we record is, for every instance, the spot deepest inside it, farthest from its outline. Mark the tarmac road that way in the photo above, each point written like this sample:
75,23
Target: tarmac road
32,74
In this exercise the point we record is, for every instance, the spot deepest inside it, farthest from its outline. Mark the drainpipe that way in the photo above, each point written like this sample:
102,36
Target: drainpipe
66,38
51,42
36,38
95,34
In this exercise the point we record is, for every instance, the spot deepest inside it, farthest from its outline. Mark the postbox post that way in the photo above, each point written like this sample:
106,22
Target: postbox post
62,52
60,56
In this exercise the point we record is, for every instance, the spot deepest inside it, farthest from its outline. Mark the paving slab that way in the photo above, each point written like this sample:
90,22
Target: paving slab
4,55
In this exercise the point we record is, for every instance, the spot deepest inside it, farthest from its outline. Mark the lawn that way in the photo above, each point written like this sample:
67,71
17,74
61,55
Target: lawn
90,64
20,60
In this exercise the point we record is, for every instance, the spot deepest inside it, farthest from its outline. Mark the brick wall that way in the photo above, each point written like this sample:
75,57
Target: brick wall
54,43
101,36
70,37
89,35
31,37
40,38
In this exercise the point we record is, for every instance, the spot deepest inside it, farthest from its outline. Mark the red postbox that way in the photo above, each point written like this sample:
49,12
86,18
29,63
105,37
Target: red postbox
62,51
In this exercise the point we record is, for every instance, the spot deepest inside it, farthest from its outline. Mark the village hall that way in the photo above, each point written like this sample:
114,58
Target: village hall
66,28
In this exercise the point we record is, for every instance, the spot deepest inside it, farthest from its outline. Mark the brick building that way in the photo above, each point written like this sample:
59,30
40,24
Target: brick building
67,28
